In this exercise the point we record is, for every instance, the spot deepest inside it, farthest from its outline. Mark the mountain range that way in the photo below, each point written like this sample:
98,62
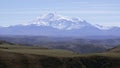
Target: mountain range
52,24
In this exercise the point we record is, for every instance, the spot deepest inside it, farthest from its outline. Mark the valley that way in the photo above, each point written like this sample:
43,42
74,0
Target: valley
59,33
80,45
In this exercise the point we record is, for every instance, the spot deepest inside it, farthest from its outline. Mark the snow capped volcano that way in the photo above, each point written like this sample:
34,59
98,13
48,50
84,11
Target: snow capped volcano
52,24
60,22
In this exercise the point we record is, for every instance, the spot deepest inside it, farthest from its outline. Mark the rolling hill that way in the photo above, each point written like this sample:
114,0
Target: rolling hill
17,56
115,50
66,43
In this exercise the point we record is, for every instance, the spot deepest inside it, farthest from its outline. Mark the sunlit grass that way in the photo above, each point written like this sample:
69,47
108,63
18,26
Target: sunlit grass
50,52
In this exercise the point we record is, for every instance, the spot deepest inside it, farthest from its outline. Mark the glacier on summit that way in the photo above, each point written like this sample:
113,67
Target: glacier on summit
53,24
60,22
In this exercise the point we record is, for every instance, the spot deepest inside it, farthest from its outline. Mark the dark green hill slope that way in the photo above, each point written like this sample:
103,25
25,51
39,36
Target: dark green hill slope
15,56
114,50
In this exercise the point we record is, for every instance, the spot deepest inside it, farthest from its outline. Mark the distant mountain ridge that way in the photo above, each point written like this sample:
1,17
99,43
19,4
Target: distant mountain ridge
52,24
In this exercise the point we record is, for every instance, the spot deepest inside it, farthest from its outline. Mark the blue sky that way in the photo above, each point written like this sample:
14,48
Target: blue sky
102,12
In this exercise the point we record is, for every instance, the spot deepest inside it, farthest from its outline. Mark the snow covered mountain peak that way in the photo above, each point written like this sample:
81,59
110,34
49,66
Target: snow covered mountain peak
103,27
51,17
53,24
60,22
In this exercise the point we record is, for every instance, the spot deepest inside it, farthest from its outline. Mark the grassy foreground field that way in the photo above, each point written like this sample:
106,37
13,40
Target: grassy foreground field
15,56
36,50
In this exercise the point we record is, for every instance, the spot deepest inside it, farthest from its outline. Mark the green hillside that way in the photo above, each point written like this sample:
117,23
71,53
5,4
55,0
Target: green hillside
115,50
35,50
18,56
